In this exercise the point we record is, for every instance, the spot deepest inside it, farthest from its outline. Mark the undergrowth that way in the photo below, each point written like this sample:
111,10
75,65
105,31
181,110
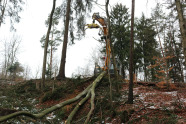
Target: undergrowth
26,93
66,88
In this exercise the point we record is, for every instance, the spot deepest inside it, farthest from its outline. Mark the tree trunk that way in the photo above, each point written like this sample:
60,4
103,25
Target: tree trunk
130,95
107,45
174,47
46,46
64,49
123,71
51,53
5,66
145,73
114,60
109,36
182,26
112,50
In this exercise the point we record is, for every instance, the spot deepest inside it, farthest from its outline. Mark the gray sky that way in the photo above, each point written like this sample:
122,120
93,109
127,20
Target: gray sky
32,27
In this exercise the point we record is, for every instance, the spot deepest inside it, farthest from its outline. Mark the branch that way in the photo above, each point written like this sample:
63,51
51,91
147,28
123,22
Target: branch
57,106
92,103
47,111
68,121
93,95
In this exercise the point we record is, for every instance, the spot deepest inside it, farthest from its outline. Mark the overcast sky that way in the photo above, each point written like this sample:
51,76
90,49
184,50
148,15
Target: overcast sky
32,27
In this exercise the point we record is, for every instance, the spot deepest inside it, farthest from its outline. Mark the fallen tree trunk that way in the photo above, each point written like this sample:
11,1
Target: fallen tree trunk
46,111
92,91
94,84
57,106
68,121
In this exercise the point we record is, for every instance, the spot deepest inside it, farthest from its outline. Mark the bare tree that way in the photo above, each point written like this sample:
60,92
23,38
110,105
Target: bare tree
10,52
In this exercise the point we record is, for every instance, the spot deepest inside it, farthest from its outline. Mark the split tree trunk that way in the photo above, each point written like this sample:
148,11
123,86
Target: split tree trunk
109,36
108,42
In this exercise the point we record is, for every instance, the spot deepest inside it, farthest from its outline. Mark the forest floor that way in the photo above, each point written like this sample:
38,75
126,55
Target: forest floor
152,105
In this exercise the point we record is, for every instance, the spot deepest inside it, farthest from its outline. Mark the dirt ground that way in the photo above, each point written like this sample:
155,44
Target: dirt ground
152,105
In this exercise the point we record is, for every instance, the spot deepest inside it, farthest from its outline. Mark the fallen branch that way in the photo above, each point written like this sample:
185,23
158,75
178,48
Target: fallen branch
92,91
93,95
68,121
92,103
91,87
46,111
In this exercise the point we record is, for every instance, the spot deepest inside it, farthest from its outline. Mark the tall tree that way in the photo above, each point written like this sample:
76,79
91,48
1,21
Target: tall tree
171,49
10,8
130,95
173,39
120,30
159,18
182,25
46,46
54,39
147,45
65,41
76,10
172,46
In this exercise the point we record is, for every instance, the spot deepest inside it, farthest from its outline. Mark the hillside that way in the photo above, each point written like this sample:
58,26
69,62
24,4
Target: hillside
151,104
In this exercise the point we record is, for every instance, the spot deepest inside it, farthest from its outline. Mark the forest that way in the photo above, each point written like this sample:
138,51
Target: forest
137,75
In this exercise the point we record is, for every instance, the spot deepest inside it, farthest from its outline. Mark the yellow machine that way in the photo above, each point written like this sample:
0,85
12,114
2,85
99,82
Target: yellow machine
104,29
93,25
